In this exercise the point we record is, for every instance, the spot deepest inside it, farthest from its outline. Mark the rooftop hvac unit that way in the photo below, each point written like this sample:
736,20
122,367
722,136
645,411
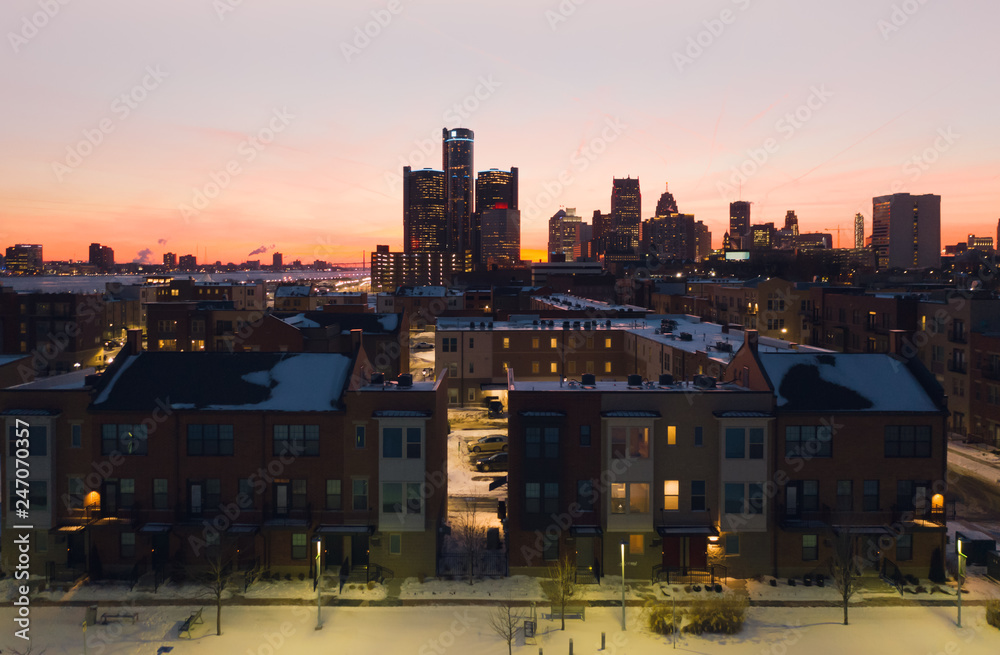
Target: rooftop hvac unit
704,382
666,379
588,379
635,380
687,336
377,378
724,346
404,380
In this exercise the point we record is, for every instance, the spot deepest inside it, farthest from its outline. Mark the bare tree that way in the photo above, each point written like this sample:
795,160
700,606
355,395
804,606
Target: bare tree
470,532
561,585
504,619
215,579
846,567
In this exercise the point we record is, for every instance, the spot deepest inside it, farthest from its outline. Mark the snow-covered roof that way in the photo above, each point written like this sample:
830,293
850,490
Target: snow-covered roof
300,321
292,291
845,382
428,291
283,382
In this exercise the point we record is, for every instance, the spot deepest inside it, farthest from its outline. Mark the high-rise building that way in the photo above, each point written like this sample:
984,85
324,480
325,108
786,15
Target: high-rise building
170,260
277,260
425,226
762,236
739,223
980,243
102,257
187,262
671,236
666,205
501,230
626,209
24,259
457,158
792,222
496,189
859,231
998,234
564,234
390,270
906,231
702,241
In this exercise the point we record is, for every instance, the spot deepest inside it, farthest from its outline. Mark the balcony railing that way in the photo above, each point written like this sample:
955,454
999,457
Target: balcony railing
956,366
957,337
833,518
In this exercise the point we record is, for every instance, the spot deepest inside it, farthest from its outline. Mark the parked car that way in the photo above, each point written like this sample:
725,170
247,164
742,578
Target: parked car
491,444
424,345
495,462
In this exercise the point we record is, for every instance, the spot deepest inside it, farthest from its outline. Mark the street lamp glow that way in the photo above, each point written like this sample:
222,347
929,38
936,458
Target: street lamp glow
319,545
623,585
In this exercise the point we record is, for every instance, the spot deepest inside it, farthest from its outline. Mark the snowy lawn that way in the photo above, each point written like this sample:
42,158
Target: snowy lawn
463,629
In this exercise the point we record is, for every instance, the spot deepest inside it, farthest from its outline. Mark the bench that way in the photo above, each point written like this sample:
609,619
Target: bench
572,612
126,616
194,619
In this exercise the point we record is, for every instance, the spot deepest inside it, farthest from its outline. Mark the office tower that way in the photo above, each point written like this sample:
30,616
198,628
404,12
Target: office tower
424,223
170,260
601,224
187,263
762,236
626,209
501,240
792,222
102,257
564,234
702,241
739,223
277,260
457,159
24,259
906,231
496,189
666,205
671,237
859,231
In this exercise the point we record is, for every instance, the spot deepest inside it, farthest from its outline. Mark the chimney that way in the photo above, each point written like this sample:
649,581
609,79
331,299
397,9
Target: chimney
133,342
356,339
750,338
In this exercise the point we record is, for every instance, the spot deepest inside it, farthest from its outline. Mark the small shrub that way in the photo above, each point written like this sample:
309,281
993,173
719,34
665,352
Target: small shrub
687,588
371,585
724,615
921,589
791,582
421,577
993,613
302,576
660,618
288,577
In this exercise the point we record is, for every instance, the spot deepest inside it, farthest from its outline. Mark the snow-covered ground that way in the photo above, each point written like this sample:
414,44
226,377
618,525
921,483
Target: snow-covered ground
460,629
421,359
463,478
982,464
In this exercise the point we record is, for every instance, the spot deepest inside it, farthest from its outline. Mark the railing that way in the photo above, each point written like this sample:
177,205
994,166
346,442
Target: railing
251,575
378,573
956,367
831,517
705,574
955,337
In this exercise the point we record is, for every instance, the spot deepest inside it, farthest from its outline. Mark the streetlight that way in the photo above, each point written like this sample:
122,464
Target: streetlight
961,578
318,541
623,585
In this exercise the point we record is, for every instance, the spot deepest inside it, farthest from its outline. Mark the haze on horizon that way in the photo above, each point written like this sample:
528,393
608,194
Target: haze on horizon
119,114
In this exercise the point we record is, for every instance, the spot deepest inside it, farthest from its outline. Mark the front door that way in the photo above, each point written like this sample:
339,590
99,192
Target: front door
109,503
76,557
359,549
585,553
671,552
698,551
161,548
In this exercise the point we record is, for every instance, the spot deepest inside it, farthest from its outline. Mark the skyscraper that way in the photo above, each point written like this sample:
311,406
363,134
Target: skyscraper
666,205
859,231
24,259
739,223
906,231
564,234
792,222
103,257
424,223
458,189
501,236
496,189
277,260
170,260
626,209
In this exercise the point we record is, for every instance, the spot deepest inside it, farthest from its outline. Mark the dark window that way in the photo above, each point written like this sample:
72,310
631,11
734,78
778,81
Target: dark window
810,547
755,494
333,498
210,439
296,440
213,493
127,545
735,443
245,493
904,547
126,492
359,436
871,496
38,495
584,435
359,492
551,443
810,495
532,497
533,443
392,497
697,495
756,449
735,500
732,544
907,441
300,499
698,439
36,441
845,496
76,435
413,443
124,438
904,495
550,497
808,441
585,495
300,545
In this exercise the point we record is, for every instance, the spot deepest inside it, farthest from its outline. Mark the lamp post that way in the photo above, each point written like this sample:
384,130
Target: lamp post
961,578
318,541
623,586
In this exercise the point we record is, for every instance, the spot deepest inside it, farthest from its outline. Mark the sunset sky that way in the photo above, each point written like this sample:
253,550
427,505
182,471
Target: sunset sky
120,118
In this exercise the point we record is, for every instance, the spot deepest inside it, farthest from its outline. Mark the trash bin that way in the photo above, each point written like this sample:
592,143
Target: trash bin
91,618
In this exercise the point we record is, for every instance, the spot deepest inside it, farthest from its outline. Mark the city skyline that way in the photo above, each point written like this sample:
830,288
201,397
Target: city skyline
307,147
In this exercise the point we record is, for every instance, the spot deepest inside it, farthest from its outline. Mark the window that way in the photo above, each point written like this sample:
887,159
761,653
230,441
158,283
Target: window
126,492
540,497
553,343
735,498
535,367
756,446
698,436
755,494
810,495
550,497
125,439
871,496
810,548
551,551
636,544
506,343
904,547
630,498
607,367
392,497
76,435
845,501
585,495
452,396
671,435
732,544
472,343
359,436
453,372
333,499
584,435
359,493
127,545
38,495
535,343
533,446
571,367
300,545
629,442
449,345
671,495
395,544
907,441
808,441
392,443
210,439
300,499
607,342
697,495
472,369
245,493
532,497
735,443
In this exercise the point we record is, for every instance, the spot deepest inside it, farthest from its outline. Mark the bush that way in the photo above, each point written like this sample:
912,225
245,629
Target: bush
371,585
421,577
660,618
724,615
993,612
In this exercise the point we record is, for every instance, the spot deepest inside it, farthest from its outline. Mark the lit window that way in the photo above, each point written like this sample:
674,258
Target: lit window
506,342
553,367
635,544
671,435
552,343
671,491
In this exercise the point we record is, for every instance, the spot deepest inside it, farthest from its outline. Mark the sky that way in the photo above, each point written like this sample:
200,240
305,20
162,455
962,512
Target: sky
224,127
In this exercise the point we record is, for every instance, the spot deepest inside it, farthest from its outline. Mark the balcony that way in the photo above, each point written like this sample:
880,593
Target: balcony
957,337
990,372
957,366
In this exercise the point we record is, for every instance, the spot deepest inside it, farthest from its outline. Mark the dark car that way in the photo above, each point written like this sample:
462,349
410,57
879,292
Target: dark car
497,462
